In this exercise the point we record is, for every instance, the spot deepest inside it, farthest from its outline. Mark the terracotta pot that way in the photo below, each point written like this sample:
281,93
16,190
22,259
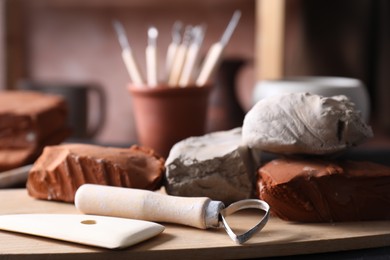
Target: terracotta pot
165,115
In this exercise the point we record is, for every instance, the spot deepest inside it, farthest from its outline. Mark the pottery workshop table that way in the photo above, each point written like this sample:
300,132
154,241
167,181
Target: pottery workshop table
278,238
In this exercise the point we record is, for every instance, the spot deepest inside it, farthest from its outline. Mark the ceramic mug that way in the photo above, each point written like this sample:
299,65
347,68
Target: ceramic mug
76,96
354,89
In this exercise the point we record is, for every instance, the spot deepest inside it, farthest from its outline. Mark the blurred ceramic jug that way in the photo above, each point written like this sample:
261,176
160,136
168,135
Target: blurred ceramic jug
77,98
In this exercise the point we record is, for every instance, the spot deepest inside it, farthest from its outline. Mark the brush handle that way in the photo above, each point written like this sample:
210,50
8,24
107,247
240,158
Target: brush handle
198,212
177,66
189,65
151,65
132,67
171,54
209,65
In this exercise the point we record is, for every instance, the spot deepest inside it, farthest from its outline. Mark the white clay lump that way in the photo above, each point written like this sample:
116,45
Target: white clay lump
303,123
215,165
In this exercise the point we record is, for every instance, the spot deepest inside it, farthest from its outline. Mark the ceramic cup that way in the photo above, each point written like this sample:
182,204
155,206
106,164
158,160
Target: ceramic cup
77,97
164,115
354,89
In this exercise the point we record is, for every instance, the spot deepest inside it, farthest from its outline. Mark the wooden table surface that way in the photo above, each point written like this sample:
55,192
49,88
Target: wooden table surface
278,238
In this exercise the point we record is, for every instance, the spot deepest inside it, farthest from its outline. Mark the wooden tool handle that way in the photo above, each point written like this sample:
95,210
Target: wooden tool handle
198,212
177,66
189,65
132,67
210,64
151,65
171,54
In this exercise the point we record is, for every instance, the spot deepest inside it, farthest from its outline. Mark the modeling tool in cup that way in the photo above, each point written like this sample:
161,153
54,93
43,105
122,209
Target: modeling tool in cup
172,48
127,55
214,54
151,57
178,62
199,212
192,56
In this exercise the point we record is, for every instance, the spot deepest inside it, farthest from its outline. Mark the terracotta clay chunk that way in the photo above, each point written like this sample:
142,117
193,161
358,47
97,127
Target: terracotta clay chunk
326,191
60,170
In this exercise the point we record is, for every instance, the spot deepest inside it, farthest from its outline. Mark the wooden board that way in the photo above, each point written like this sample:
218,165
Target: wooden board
278,238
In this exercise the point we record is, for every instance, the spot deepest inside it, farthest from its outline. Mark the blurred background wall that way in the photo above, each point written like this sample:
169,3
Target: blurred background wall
343,38
73,41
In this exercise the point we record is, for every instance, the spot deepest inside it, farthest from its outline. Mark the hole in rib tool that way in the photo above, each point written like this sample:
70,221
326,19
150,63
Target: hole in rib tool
199,212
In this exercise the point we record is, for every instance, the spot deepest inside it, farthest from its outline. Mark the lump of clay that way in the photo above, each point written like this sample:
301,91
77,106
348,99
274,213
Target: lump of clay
214,165
302,123
62,169
28,122
324,191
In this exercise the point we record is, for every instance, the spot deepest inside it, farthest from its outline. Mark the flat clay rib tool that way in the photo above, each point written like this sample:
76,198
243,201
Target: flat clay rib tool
199,212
